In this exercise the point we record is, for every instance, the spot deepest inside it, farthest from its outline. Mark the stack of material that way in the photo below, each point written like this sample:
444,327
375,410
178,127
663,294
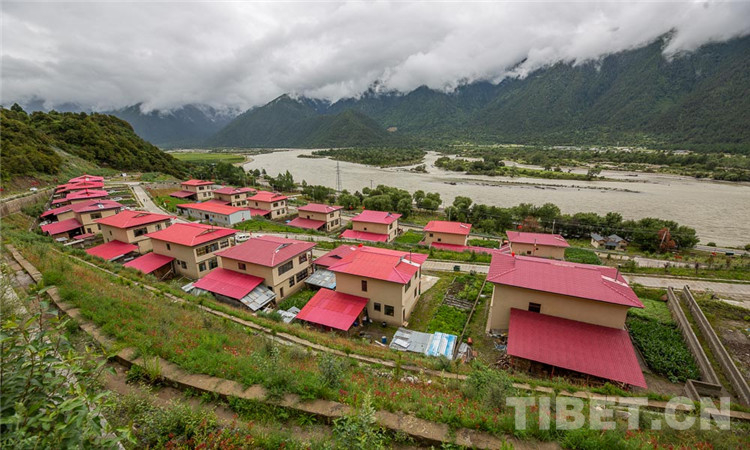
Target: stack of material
435,344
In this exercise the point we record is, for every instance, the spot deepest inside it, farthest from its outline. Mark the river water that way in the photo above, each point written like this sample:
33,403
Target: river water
719,211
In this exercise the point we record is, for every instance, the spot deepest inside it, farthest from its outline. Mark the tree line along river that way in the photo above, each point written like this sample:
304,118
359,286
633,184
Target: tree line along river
719,211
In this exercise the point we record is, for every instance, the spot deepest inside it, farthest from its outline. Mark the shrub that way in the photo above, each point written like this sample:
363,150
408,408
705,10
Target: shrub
711,244
581,255
359,430
331,369
488,385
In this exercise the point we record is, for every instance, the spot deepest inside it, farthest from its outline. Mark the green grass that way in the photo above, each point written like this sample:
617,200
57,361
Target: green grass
169,203
736,274
448,319
410,237
203,158
656,335
429,302
581,255
298,299
486,243
270,226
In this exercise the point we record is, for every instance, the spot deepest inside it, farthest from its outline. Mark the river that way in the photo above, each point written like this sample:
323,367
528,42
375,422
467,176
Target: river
719,211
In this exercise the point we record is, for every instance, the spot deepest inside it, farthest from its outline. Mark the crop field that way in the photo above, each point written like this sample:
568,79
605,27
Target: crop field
203,158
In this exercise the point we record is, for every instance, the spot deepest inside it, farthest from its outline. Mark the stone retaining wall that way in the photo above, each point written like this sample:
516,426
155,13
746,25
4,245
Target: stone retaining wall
704,365
13,206
738,382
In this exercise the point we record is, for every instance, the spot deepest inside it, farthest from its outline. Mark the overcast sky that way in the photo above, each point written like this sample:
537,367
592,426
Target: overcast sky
239,54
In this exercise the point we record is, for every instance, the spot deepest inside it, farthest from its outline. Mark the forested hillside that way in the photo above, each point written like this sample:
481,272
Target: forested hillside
29,142
286,122
187,126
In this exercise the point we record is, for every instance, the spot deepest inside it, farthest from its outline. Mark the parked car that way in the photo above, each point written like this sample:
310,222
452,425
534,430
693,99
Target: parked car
241,237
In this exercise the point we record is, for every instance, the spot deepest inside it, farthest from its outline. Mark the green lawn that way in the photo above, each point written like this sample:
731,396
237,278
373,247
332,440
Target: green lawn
298,299
200,158
169,203
269,226
581,255
410,237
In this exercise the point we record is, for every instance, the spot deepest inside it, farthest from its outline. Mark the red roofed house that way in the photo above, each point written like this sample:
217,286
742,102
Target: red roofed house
565,314
377,226
234,196
537,244
273,202
193,246
86,213
214,212
132,227
67,228
81,196
316,216
64,189
151,263
453,233
199,190
282,264
85,178
112,250
389,279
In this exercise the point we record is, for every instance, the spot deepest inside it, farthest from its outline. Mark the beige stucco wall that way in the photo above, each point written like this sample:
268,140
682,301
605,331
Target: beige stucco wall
543,251
332,220
590,311
385,293
444,238
87,220
233,199
128,235
391,230
276,211
188,254
202,192
278,283
66,215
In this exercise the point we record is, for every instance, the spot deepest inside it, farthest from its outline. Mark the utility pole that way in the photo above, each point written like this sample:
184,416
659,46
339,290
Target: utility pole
553,225
370,184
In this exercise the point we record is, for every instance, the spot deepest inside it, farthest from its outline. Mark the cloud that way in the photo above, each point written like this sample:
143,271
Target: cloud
237,55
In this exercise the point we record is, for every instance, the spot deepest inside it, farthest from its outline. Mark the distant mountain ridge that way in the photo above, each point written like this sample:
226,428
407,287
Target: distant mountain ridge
186,126
699,99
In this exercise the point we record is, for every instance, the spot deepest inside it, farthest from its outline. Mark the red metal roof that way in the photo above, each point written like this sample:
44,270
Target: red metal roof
181,194
94,205
382,217
442,226
191,234
267,251
307,224
228,283
149,262
258,212
86,177
217,201
333,309
319,208
78,186
600,283
381,264
462,248
196,183
268,197
129,219
335,255
229,190
551,240
86,193
364,236
112,250
583,347
215,208
61,227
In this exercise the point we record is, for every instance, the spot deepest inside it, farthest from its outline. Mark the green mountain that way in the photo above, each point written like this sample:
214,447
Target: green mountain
286,122
697,99
32,144
186,126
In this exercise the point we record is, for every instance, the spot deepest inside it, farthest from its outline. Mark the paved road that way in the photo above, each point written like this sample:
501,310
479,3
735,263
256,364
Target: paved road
147,204
447,266
735,291
706,248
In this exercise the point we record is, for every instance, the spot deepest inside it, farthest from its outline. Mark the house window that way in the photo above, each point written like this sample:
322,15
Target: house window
440,239
275,204
364,285
96,216
286,267
202,267
241,266
302,258
376,306
528,252
224,243
183,264
158,226
169,247
302,275
535,307
88,229
291,281
110,232
389,311
431,235
140,231
408,285
213,263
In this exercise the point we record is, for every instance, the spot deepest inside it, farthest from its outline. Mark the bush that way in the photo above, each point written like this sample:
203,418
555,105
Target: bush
488,385
581,255
448,319
711,244
359,430
663,348
331,369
